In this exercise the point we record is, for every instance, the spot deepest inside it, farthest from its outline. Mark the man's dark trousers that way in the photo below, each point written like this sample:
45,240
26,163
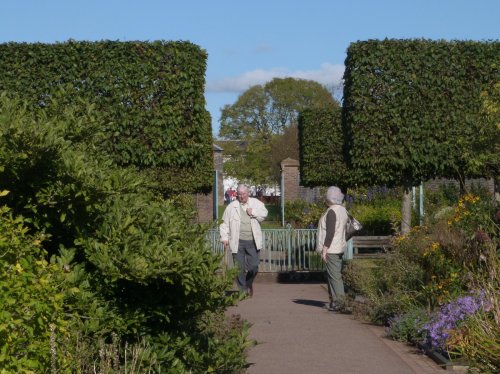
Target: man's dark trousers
247,259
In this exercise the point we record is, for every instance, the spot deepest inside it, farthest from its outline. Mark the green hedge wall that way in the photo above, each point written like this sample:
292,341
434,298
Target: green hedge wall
413,109
321,142
149,96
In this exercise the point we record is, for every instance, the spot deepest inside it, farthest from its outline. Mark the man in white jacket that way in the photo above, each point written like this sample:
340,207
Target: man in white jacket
241,230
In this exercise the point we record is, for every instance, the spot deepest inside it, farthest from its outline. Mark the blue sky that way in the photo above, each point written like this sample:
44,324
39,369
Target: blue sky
250,42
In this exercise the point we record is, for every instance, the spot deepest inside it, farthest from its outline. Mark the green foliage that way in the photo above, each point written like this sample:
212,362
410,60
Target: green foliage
321,139
432,265
135,269
149,97
408,327
249,161
379,217
413,109
485,152
471,237
477,340
389,305
264,119
302,214
361,277
271,108
438,204
32,300
379,214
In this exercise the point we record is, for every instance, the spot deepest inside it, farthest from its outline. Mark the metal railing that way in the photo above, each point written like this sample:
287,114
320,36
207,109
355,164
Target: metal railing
283,250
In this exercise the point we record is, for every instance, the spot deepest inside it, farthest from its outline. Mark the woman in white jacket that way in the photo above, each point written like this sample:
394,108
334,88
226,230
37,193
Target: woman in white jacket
331,244
241,230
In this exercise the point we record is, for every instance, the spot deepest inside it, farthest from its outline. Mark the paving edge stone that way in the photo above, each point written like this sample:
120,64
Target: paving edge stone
446,363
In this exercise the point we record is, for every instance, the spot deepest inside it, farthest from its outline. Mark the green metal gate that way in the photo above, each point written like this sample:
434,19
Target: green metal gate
283,250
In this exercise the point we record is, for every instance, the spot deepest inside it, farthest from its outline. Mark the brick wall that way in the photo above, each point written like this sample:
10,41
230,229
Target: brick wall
291,180
293,190
487,184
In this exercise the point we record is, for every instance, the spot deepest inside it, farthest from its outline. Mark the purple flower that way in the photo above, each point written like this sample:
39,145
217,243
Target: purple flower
449,317
349,200
369,195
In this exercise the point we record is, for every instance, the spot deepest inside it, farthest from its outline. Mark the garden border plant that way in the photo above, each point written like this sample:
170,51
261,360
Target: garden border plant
137,274
439,286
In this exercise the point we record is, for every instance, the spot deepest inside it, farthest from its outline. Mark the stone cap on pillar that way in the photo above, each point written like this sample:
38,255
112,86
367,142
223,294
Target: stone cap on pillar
289,162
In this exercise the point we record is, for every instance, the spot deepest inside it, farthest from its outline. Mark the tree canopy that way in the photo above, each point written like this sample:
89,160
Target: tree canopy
322,156
414,110
264,118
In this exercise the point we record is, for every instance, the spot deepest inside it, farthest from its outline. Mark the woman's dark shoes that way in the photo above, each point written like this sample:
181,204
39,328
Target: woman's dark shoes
334,308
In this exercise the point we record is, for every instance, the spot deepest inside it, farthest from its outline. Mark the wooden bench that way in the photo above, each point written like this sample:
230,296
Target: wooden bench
370,244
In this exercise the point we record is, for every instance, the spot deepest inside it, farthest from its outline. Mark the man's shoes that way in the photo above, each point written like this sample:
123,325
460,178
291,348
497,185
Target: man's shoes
250,291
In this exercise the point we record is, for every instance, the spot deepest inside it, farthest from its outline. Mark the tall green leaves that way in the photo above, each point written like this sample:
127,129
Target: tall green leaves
321,140
412,108
150,96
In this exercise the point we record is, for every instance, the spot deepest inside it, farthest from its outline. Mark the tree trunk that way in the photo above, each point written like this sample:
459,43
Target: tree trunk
406,209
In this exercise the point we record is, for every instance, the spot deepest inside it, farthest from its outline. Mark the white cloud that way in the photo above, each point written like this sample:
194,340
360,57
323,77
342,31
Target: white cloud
327,74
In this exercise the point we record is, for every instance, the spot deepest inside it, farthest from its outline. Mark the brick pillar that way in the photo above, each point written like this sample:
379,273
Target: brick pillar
205,202
204,206
291,178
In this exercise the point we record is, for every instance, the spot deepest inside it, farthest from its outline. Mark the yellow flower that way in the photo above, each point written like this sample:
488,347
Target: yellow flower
19,268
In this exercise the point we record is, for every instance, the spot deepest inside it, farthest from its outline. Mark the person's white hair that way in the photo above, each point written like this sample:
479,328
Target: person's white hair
334,195
242,187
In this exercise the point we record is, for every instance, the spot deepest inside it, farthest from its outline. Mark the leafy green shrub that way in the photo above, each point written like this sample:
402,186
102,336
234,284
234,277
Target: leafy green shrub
475,224
302,214
360,278
408,327
32,300
391,304
433,267
377,208
388,284
380,219
477,340
136,271
439,203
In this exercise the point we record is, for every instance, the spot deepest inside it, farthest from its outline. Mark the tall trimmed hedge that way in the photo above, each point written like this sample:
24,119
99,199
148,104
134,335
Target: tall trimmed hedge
413,108
321,143
149,96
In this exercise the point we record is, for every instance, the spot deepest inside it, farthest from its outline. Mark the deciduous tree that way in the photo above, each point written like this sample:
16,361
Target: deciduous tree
265,118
